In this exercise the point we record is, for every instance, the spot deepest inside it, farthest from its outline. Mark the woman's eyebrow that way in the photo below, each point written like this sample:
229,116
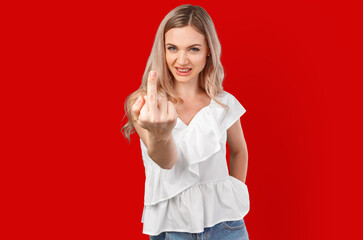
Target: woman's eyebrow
188,47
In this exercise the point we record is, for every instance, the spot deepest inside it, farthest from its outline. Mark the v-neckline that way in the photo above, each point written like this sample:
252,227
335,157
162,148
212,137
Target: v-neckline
191,121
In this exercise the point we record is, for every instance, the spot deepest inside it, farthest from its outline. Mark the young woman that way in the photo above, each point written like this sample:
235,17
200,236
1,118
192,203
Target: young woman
184,118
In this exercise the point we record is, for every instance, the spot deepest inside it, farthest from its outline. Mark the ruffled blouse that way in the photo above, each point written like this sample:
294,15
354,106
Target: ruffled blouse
197,192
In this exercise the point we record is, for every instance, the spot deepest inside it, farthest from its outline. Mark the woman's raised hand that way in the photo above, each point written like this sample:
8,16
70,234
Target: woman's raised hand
156,114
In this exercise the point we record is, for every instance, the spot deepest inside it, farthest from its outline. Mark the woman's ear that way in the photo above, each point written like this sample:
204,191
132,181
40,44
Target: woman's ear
208,52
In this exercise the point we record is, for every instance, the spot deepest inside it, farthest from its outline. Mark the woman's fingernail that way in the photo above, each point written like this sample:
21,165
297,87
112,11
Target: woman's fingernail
153,73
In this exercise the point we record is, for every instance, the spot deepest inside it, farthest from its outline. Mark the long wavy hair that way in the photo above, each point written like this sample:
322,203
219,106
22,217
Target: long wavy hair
211,77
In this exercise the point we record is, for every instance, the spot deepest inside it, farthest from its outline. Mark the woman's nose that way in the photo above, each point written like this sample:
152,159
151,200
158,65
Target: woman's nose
183,58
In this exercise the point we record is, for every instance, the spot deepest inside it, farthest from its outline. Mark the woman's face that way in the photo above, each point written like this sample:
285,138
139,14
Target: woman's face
185,53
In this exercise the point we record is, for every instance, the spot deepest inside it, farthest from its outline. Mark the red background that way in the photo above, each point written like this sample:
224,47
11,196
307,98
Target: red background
67,172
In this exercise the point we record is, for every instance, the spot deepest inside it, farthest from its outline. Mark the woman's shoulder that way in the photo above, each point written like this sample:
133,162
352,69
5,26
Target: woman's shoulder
225,97
232,102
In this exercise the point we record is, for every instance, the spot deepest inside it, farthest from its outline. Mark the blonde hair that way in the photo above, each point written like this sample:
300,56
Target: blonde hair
211,77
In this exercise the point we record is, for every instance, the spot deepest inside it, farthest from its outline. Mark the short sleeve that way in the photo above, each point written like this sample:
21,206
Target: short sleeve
236,110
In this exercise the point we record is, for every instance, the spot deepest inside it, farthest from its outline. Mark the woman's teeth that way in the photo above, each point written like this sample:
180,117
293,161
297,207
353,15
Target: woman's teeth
183,69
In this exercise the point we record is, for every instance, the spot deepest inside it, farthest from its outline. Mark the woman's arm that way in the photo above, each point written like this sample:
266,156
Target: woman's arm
162,150
154,118
238,151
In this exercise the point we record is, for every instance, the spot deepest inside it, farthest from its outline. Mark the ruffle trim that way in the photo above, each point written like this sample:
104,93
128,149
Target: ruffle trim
162,184
200,206
196,143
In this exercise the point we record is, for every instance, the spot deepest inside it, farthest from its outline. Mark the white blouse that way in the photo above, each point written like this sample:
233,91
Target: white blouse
198,191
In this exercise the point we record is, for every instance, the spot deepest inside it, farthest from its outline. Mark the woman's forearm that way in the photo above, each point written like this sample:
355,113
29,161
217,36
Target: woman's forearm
162,150
238,165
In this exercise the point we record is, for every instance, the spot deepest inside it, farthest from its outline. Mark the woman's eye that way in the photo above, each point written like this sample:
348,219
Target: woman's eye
194,49
171,48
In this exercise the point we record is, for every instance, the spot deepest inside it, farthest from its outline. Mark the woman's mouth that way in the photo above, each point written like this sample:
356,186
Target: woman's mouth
183,71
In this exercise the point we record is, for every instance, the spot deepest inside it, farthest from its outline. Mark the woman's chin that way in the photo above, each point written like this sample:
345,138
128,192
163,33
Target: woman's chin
183,78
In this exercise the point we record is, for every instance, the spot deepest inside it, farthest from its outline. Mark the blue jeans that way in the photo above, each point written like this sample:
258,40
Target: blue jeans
228,230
